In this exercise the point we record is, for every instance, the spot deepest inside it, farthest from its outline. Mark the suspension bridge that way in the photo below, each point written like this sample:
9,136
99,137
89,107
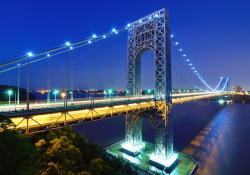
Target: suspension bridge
151,32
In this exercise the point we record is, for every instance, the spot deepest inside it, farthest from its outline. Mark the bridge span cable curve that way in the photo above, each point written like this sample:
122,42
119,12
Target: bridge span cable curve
225,84
57,50
218,85
94,38
45,57
179,71
192,67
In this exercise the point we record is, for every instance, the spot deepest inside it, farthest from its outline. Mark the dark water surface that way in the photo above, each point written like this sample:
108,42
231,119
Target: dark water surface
218,136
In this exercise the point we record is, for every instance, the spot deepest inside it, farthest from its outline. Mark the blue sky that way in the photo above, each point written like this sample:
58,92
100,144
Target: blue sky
215,35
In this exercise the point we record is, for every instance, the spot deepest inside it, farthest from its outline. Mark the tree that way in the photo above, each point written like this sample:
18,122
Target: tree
5,123
85,173
17,154
61,157
99,167
65,152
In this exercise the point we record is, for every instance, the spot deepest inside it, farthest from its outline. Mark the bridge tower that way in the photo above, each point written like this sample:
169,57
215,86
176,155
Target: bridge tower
151,33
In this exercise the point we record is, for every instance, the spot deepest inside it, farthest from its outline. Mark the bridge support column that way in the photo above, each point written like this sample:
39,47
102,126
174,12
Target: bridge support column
27,126
164,154
160,141
65,119
133,139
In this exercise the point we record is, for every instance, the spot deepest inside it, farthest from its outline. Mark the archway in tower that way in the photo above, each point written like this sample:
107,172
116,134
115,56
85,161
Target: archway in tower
147,87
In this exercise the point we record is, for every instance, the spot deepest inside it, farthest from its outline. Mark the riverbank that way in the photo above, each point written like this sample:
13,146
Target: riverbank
240,98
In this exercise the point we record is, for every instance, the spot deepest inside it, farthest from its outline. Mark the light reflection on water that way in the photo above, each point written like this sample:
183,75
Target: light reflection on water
218,136
217,147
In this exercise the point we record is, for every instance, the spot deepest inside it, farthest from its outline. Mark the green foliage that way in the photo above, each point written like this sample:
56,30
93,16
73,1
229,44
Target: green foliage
5,123
99,167
17,154
63,151
57,152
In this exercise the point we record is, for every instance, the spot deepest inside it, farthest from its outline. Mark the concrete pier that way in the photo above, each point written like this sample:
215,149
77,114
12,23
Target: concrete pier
184,165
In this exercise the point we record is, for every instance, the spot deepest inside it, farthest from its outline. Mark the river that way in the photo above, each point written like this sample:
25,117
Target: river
217,135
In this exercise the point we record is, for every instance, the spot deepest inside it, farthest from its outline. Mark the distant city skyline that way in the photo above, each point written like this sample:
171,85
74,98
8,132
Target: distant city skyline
215,35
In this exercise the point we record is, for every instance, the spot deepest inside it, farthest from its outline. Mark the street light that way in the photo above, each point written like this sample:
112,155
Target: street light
55,92
149,91
30,55
110,92
10,93
71,95
127,92
63,95
104,94
18,84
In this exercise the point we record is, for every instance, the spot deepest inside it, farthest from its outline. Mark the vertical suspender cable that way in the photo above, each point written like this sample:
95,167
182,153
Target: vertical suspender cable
18,84
48,88
28,88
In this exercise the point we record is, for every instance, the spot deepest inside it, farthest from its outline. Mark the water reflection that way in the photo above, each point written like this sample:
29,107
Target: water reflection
215,147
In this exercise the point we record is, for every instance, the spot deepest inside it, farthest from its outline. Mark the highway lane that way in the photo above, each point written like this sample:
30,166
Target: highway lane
51,120
43,105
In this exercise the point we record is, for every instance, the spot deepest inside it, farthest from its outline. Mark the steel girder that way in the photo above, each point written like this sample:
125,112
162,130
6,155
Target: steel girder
133,129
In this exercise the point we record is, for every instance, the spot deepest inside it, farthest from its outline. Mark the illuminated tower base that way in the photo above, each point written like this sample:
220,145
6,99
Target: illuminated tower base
145,161
133,140
163,154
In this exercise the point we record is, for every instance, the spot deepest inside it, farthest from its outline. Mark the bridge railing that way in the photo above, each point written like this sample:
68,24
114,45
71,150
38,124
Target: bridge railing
67,104
71,105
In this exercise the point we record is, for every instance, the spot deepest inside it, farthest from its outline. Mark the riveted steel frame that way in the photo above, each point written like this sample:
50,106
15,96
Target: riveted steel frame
133,128
78,116
152,33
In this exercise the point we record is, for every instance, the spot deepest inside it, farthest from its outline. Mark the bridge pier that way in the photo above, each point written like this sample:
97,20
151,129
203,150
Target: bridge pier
163,152
164,155
133,139
160,154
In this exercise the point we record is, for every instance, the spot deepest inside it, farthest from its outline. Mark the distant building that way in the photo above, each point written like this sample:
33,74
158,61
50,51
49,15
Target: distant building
237,88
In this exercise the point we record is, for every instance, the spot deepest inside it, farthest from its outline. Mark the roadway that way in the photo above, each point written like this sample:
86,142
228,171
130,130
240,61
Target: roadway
60,103
101,108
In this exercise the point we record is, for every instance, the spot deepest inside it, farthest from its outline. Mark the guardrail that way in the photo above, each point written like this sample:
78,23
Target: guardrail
71,107
81,102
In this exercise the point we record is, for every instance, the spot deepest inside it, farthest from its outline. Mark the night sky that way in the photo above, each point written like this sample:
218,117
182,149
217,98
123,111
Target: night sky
215,35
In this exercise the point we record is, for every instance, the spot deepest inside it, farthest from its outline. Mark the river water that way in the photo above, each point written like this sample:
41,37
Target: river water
218,136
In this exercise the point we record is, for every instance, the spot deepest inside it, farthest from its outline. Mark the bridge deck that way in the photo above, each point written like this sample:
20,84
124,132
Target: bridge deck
44,118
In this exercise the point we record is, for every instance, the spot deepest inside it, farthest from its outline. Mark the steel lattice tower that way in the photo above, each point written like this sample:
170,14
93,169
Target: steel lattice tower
151,33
